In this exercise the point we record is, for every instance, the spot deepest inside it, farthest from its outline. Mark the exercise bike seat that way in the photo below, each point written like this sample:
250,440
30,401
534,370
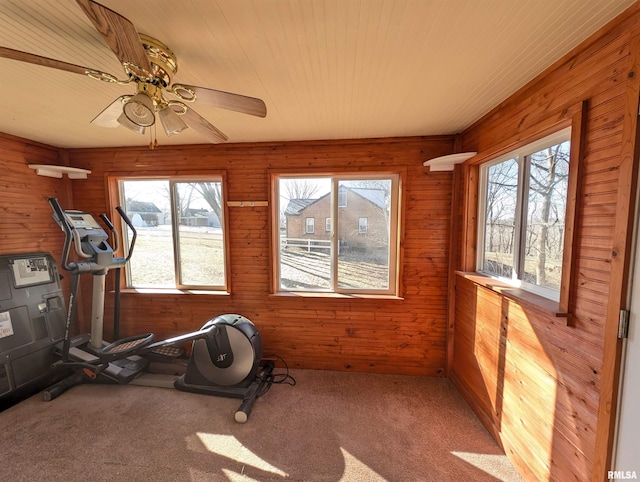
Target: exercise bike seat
124,347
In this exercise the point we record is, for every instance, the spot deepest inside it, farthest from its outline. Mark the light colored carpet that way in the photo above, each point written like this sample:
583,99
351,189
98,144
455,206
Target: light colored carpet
332,426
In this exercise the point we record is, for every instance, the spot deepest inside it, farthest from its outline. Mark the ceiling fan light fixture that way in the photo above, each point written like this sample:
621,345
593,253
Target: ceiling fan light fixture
124,121
171,122
139,110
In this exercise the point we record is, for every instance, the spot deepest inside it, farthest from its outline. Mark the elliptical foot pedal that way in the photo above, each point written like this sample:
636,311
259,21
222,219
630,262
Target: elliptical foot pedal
163,352
120,348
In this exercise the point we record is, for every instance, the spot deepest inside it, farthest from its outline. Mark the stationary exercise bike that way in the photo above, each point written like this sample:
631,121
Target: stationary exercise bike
226,351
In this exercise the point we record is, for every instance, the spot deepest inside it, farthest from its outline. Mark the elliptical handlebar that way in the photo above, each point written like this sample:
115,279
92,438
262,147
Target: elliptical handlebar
70,235
60,218
112,230
128,222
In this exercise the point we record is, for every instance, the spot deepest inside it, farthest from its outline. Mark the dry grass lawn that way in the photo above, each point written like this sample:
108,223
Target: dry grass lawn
202,263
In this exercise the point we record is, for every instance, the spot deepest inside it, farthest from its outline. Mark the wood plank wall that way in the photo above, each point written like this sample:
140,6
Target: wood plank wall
25,216
386,336
544,389
539,386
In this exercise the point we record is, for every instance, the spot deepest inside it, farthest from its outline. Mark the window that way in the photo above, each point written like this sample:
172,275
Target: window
523,201
310,226
338,259
342,199
363,225
180,232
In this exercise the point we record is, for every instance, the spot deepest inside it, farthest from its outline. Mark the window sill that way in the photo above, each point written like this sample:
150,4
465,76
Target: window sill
172,291
523,297
334,296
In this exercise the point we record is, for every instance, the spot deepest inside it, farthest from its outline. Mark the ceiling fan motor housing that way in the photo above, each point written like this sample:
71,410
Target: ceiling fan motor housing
164,63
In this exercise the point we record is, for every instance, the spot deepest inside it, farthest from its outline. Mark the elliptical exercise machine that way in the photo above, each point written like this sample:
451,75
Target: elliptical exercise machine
226,351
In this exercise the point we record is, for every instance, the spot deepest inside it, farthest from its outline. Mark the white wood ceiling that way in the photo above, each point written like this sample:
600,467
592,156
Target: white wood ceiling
327,69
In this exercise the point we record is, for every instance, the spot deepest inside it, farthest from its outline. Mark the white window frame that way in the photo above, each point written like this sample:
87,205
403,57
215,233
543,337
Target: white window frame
363,228
342,199
309,225
173,180
396,179
520,155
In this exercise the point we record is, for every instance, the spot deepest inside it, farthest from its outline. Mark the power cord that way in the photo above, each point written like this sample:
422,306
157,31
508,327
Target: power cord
276,378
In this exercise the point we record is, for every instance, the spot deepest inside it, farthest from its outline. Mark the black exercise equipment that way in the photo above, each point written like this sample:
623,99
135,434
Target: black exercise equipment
226,352
31,323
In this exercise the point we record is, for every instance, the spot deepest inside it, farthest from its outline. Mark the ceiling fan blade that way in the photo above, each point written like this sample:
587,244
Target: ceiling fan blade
47,62
119,33
224,100
109,116
203,126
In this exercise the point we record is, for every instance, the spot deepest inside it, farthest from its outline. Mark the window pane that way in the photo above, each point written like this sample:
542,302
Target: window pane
305,257
200,240
147,203
500,222
363,233
342,199
310,225
547,201
363,224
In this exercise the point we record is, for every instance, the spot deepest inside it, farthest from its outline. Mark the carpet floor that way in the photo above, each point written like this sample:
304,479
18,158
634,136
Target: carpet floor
332,426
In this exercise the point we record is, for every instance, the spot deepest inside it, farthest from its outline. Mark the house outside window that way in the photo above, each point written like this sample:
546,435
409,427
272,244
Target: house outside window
180,233
338,259
523,200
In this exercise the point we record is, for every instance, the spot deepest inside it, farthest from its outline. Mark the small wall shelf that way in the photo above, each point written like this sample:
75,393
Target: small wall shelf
243,204
57,171
446,163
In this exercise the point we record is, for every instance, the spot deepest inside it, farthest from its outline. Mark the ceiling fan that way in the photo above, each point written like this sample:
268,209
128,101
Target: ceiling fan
149,66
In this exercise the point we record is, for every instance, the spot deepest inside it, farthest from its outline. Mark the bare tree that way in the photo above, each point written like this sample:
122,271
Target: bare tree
299,189
549,171
211,192
184,195
382,186
502,188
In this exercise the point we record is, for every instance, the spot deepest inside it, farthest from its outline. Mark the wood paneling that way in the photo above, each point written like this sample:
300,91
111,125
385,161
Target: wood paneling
547,391
26,224
387,336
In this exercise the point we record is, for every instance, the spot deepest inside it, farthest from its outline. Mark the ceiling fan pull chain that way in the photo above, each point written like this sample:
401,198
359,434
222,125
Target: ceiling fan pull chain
153,138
